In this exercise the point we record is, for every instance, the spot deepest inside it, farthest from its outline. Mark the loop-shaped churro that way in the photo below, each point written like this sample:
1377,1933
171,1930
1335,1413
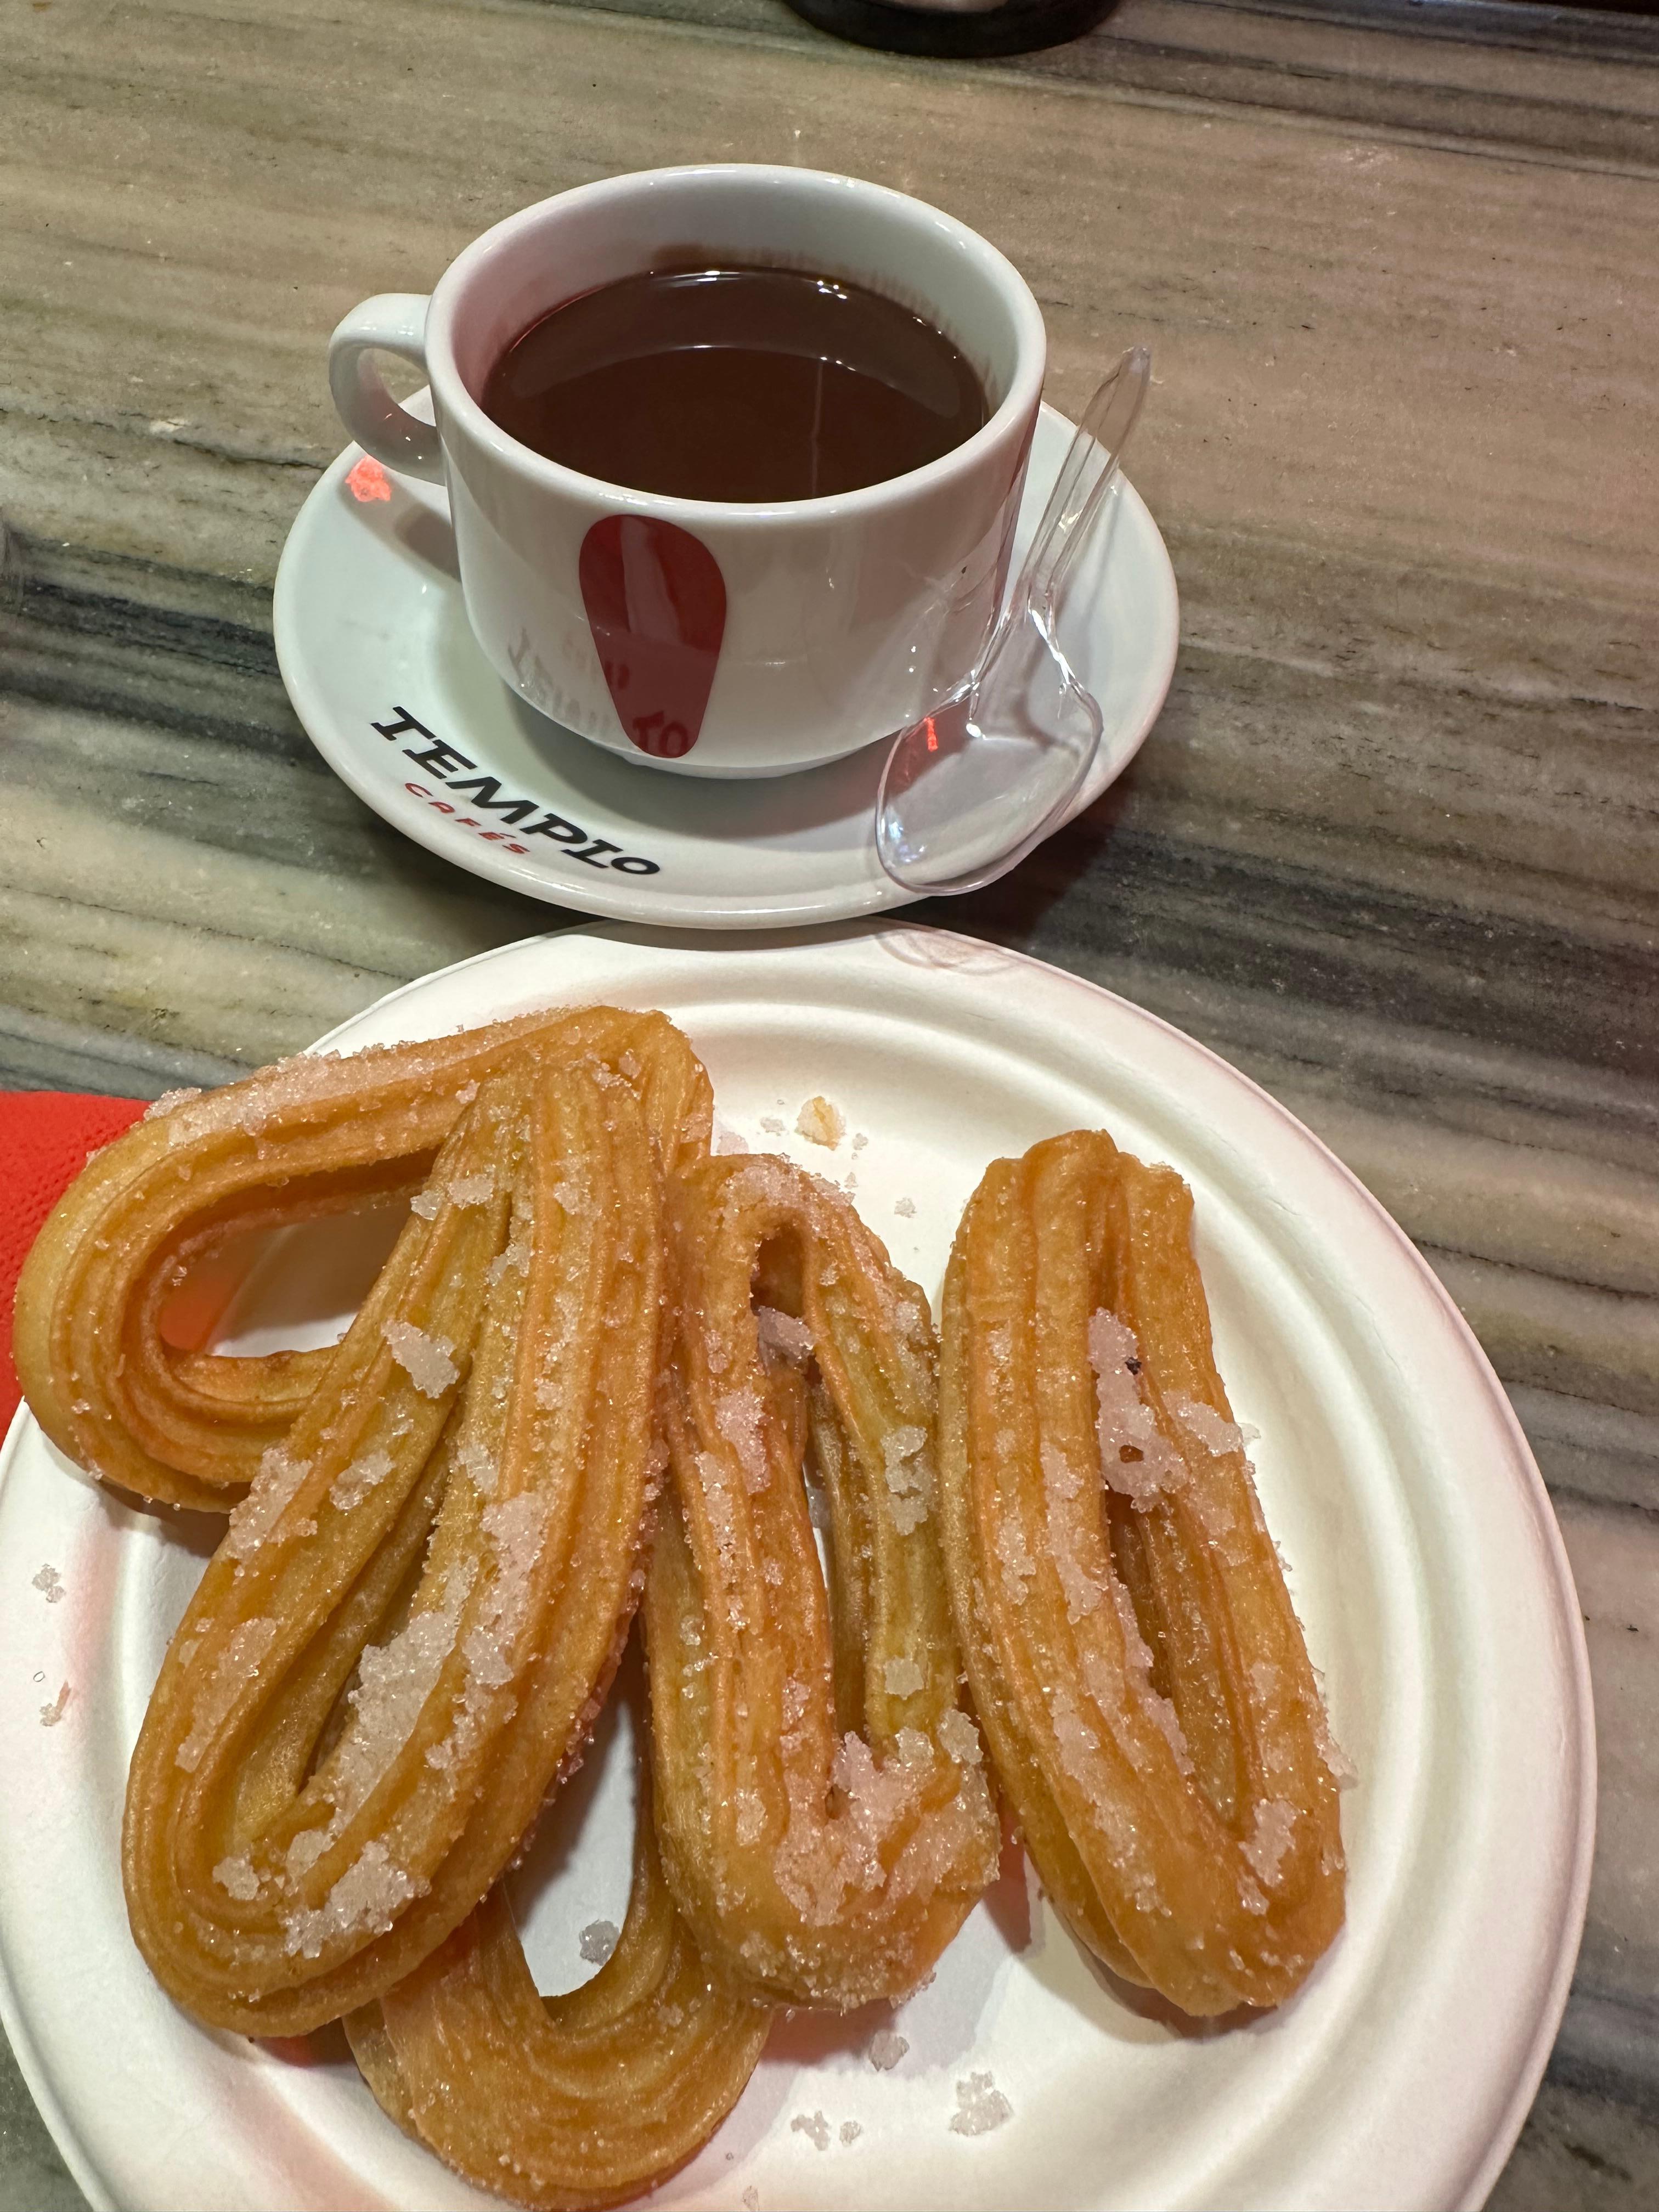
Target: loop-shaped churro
824,1821
312,1136
348,1739
568,2102
1134,1655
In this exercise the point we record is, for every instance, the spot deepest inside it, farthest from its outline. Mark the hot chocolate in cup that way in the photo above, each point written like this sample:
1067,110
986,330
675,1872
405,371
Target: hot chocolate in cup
709,636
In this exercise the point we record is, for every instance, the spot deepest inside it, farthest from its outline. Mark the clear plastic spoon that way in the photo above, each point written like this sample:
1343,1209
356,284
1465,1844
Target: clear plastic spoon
970,789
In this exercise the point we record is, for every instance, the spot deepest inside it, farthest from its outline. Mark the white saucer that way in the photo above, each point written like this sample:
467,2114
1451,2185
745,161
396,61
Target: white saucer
371,629
1423,1559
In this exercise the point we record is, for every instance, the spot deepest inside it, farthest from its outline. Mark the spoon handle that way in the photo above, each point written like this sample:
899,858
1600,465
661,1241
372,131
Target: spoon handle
1085,477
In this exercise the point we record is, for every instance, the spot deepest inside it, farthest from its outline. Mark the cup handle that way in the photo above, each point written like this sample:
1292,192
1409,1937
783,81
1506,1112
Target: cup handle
395,322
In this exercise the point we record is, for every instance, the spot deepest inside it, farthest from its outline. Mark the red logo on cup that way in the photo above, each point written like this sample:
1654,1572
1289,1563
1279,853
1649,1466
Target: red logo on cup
656,607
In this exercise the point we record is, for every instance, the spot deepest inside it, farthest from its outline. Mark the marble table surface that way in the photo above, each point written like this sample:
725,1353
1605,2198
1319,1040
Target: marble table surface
1392,846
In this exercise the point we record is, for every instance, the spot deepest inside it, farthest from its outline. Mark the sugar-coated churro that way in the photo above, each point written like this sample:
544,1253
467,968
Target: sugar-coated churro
308,1138
288,1855
825,1822
566,2102
1133,1654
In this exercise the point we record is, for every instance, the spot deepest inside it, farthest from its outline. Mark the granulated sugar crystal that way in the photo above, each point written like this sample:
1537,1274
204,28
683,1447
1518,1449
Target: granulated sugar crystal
358,1477
598,1941
253,1521
474,1189
369,1895
239,1662
959,1738
981,2106
1275,1827
1211,1429
237,1876
1126,1423
782,1334
425,1360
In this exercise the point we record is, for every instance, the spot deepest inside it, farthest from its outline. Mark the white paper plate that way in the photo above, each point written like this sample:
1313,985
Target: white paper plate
370,628
1424,1560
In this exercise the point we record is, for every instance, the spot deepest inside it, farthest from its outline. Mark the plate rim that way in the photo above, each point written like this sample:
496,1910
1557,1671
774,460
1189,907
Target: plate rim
1576,1839
30,2066
622,903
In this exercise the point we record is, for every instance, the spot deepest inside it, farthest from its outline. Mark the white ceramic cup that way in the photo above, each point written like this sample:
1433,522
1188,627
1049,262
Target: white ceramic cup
712,637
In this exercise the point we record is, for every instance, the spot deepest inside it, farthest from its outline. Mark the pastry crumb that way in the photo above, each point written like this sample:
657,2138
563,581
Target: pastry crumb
821,1123
51,1714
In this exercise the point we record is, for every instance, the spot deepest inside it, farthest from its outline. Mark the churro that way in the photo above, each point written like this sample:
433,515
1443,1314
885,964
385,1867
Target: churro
306,1139
564,2102
826,1821
290,1853
1133,1654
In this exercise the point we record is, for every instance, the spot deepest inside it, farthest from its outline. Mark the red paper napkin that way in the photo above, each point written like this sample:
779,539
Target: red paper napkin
45,1139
